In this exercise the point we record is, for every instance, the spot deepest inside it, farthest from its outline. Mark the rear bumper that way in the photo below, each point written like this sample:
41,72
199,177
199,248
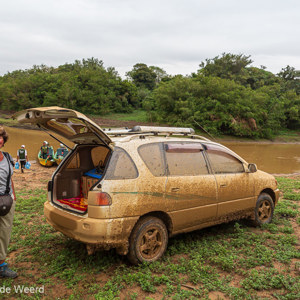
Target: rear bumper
106,233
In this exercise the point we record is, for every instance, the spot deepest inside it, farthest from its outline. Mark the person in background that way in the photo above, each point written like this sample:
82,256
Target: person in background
50,151
62,151
22,156
7,220
44,150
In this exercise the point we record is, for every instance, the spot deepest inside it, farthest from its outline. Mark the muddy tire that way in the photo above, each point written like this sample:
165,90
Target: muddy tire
148,241
264,210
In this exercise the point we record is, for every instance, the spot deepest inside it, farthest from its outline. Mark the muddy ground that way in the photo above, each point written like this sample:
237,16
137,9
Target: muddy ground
34,271
34,178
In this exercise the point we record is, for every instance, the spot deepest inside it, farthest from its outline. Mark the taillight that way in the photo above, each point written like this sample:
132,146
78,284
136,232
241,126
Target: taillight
102,199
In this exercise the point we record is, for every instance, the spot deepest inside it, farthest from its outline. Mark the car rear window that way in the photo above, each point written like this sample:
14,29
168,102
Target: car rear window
152,155
121,166
185,159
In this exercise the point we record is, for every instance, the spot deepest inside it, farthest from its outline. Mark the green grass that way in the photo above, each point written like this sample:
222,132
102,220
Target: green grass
236,260
288,135
136,115
291,188
7,122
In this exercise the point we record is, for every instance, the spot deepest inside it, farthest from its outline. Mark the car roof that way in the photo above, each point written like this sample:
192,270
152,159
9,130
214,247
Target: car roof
134,141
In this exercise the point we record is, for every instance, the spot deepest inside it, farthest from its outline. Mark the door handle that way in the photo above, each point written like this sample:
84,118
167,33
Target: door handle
175,189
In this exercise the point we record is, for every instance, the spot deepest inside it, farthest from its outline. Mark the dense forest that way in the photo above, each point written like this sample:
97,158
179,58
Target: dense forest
225,96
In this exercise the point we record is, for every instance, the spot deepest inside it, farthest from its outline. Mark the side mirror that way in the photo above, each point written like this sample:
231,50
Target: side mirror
252,168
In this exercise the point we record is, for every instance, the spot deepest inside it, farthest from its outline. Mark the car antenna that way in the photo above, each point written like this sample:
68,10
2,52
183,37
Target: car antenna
204,130
43,129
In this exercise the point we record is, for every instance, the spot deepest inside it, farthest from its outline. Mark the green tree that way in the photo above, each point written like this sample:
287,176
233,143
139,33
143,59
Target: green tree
291,79
219,105
142,76
160,74
228,66
85,85
256,78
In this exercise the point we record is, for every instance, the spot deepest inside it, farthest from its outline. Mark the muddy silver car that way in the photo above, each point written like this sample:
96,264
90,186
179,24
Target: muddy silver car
133,189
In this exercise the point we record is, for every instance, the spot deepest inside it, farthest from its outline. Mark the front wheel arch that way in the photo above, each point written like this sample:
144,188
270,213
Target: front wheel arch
270,192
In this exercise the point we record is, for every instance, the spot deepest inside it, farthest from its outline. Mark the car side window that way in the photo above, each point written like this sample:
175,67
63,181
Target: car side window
152,155
121,166
223,162
185,159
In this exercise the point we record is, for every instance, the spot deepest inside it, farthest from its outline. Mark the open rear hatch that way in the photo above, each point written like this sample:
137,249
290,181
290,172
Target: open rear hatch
73,179
68,123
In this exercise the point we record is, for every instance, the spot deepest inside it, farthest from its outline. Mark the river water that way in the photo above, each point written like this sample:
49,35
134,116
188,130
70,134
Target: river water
32,139
269,157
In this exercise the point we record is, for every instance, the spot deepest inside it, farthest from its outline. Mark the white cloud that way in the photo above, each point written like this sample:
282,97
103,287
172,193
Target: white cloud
173,34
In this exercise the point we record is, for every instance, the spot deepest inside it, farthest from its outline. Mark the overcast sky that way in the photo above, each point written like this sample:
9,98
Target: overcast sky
171,34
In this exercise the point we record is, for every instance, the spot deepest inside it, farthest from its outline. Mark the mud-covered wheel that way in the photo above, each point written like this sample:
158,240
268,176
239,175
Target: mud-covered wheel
148,240
264,209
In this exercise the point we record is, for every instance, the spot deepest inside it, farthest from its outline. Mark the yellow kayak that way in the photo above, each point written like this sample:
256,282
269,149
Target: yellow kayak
45,162
58,160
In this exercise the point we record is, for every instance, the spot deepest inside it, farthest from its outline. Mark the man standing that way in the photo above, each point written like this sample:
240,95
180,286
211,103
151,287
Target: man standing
44,150
6,221
22,156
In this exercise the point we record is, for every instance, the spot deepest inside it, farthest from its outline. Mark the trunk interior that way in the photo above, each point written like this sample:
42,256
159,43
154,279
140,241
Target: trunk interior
81,171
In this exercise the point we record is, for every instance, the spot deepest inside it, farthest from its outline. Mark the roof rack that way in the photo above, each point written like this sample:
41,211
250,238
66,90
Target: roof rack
138,131
150,129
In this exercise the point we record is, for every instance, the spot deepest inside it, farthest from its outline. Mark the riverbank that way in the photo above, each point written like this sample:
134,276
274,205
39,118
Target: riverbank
285,136
229,261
